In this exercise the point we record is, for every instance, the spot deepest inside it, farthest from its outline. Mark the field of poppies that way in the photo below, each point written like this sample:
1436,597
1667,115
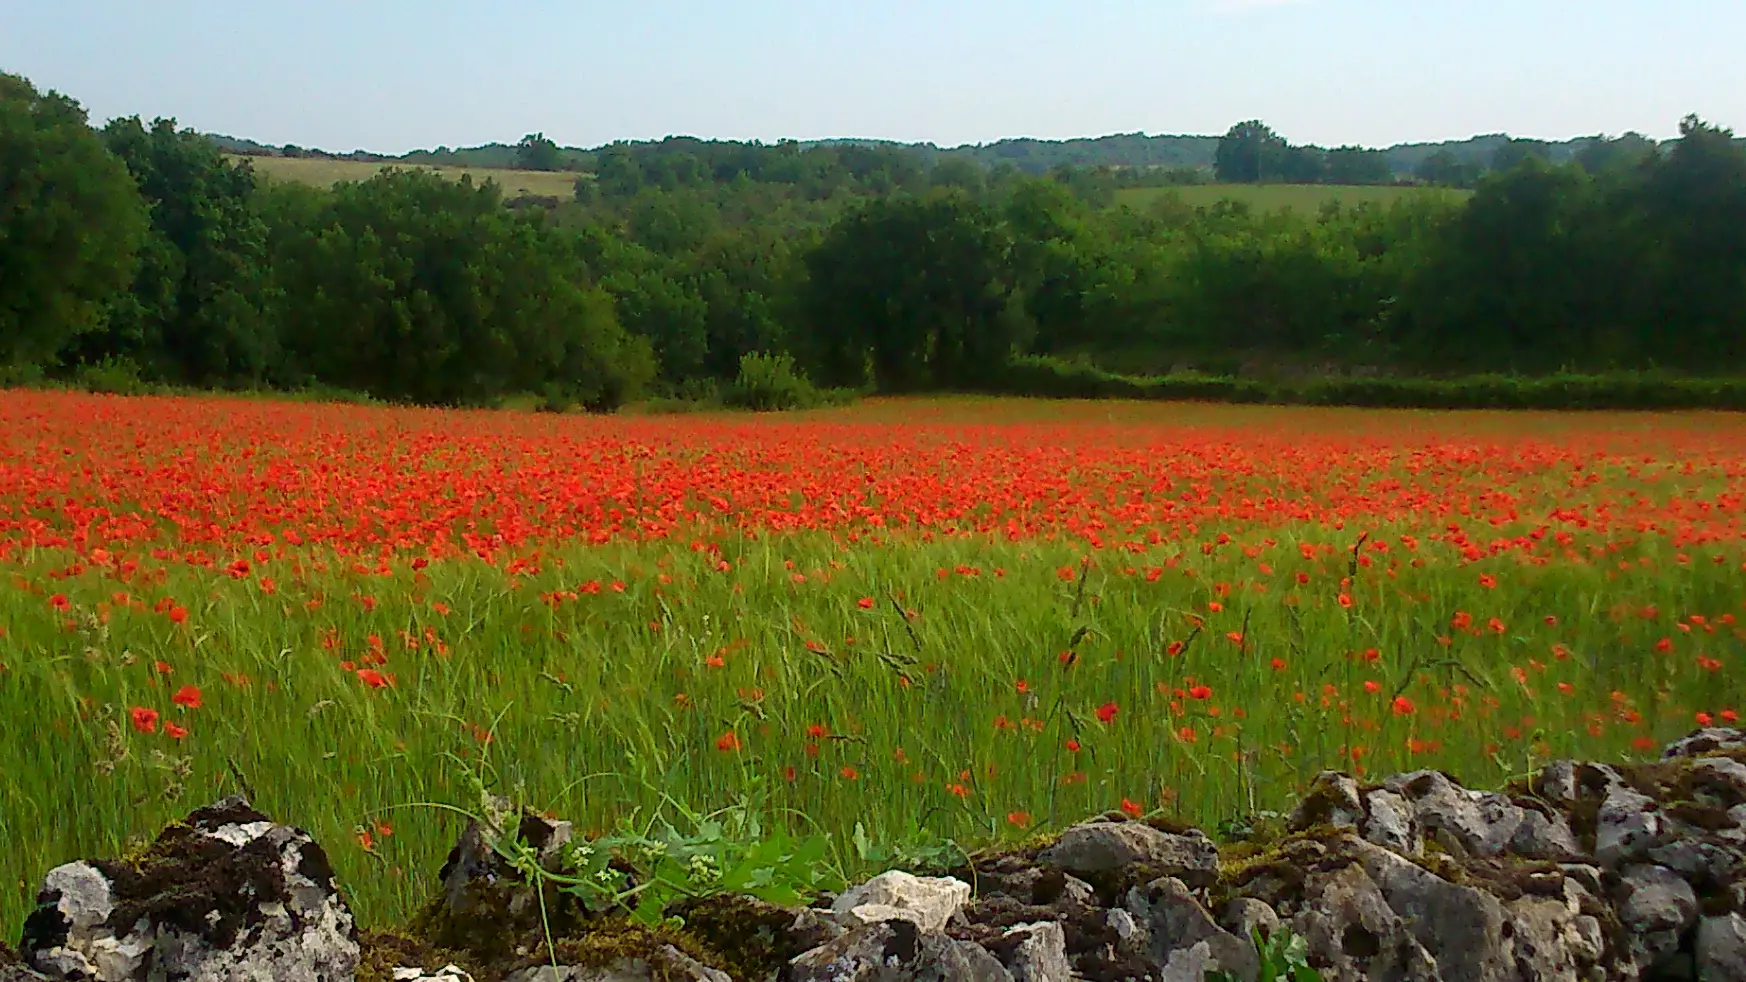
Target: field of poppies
956,620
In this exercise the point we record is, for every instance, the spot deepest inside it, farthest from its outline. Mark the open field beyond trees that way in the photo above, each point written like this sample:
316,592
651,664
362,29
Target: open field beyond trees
978,618
322,173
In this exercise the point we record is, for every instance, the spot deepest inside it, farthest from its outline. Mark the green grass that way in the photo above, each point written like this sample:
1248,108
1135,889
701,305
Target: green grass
325,173
1278,197
598,704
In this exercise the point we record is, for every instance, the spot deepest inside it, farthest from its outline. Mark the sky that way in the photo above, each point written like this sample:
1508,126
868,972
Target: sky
396,75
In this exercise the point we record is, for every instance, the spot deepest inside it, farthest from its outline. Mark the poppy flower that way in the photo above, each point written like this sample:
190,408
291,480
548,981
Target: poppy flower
175,732
374,679
1106,713
188,697
728,742
865,603
1132,808
143,719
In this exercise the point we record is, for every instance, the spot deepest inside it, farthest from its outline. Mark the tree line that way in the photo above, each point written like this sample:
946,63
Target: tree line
139,251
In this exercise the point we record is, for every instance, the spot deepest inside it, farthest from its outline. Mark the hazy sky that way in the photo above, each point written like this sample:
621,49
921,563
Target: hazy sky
393,75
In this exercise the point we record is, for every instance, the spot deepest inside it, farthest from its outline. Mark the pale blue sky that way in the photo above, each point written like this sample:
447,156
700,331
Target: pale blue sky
392,75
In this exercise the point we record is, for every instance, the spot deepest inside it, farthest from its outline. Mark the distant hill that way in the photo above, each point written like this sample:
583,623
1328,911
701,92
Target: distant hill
1122,150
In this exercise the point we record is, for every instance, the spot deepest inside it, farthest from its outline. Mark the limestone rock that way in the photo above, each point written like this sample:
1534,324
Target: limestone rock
227,896
1175,920
1707,741
1332,800
1626,827
1104,847
928,902
1479,822
474,870
1041,955
1353,935
1546,836
1657,907
448,973
896,951
1551,943
1245,917
1462,928
1391,823
667,964
1721,949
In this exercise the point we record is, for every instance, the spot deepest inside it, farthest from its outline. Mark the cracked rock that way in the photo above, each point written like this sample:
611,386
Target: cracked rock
226,896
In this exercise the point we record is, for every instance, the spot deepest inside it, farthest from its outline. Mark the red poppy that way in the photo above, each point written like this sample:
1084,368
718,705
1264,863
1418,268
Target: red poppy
374,679
143,719
188,697
175,732
728,742
865,603
1132,808
1106,713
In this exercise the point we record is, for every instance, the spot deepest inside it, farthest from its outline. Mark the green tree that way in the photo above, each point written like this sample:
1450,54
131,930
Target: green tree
70,223
1446,170
1356,165
1602,155
412,287
1248,153
1515,151
199,309
536,152
913,293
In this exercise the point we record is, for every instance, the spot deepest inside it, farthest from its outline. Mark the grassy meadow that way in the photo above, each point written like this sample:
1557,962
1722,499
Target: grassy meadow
965,620
325,173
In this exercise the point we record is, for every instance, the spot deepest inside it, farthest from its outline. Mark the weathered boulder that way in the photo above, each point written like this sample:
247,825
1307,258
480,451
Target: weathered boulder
897,951
1627,826
1721,949
226,896
1551,943
1391,823
1482,823
1332,800
1706,741
1246,917
928,902
1040,954
1175,921
665,964
1103,847
448,973
1657,907
1353,935
1462,928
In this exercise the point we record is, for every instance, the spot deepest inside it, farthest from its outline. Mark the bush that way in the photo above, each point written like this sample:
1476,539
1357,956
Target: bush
772,383
1057,379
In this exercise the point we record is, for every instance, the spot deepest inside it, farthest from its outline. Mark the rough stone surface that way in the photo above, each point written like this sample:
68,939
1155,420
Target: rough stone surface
928,902
226,896
1478,822
474,874
1245,917
1391,823
1353,933
1104,847
1706,741
448,973
890,951
1041,954
1332,800
1462,928
668,964
1721,949
1626,827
